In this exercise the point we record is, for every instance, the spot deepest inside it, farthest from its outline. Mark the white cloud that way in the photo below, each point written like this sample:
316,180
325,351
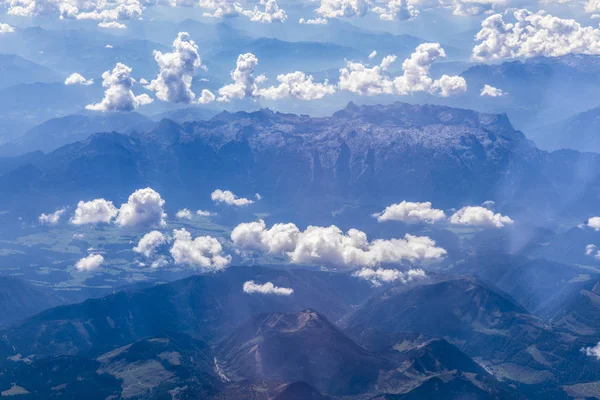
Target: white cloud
343,8
174,80
203,251
360,79
184,214
221,8
271,13
227,197
118,95
279,239
94,211
491,91
150,242
477,7
594,223
410,212
533,34
252,287
397,10
373,55
6,28
416,74
592,351
102,10
78,79
297,85
109,46
330,246
111,25
51,219
143,208
380,275
314,21
592,250
244,82
204,213
480,216
90,262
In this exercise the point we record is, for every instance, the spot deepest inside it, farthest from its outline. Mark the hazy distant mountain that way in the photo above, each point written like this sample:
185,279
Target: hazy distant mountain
82,51
58,132
536,284
579,132
539,90
26,105
15,70
186,114
21,299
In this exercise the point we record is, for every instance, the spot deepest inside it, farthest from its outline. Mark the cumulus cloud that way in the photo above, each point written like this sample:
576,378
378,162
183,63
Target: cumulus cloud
251,287
227,197
244,82
533,34
118,95
143,208
330,246
203,251
343,8
397,10
111,25
477,7
594,223
592,250
204,213
314,21
51,219
416,74
271,13
90,262
592,351
297,85
6,28
378,276
221,8
480,216
149,244
359,78
94,211
410,212
77,79
491,91
279,239
184,214
174,80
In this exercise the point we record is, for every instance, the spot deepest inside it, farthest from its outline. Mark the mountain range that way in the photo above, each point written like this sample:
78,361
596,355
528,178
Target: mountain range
362,154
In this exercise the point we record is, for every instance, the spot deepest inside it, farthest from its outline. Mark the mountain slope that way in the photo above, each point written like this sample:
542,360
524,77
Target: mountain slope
205,306
303,346
474,316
